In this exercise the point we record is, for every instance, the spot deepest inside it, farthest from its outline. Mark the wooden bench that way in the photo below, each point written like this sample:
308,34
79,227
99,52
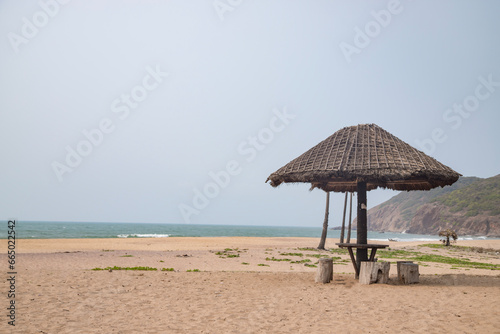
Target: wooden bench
350,246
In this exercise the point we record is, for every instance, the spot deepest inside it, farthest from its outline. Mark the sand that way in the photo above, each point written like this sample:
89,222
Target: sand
58,292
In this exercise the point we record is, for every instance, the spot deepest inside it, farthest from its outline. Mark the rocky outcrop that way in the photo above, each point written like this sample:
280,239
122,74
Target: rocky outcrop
429,212
430,219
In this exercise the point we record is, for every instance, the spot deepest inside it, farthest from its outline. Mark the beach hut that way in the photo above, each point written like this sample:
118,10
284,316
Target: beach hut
362,158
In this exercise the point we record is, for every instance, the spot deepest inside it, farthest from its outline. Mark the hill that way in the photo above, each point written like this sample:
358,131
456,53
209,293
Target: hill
471,206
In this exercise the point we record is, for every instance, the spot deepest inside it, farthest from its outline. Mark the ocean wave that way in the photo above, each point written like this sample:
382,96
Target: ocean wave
405,239
143,235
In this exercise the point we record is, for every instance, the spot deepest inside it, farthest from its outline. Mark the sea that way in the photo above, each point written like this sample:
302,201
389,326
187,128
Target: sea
84,230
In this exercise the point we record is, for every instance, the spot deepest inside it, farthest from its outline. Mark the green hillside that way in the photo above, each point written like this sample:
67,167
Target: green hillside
471,206
409,202
479,197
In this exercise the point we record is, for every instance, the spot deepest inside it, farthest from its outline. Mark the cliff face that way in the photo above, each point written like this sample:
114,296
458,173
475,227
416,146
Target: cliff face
432,218
470,207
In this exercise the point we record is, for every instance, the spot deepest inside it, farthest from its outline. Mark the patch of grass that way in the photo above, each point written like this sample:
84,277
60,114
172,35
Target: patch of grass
455,262
108,250
310,265
307,249
193,270
229,253
396,254
127,268
301,261
167,269
462,248
245,263
292,254
340,251
263,265
127,256
434,246
275,259
318,256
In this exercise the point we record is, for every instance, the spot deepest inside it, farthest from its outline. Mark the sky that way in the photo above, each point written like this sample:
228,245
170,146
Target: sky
178,111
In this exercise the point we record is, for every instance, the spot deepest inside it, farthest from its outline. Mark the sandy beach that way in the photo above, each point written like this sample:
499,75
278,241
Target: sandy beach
238,285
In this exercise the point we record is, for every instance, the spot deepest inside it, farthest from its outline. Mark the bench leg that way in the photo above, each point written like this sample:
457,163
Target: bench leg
372,255
356,269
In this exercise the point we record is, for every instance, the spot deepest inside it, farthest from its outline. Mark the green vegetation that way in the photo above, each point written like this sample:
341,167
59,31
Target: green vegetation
127,268
447,234
167,269
193,270
292,254
229,253
341,251
301,261
482,196
310,265
245,263
275,259
410,202
263,265
470,195
456,248
455,262
396,254
318,256
127,256
435,246
421,257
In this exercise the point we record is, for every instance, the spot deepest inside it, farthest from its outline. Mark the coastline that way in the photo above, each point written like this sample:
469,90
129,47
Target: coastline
201,243
247,292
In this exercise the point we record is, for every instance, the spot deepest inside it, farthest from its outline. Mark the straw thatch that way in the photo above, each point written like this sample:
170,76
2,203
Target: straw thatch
367,153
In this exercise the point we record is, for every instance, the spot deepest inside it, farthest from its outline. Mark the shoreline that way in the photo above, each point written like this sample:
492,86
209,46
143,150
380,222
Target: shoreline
204,243
243,285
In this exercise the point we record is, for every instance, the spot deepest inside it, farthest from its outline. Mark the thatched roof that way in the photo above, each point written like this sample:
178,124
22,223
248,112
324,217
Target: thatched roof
365,152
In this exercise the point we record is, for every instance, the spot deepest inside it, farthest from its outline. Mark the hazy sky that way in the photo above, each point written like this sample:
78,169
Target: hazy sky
178,111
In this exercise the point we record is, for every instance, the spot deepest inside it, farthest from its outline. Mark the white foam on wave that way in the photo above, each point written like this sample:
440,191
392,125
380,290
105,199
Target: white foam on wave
143,235
405,239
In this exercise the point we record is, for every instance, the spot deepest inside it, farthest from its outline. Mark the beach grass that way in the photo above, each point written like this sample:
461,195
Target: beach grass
126,268
422,258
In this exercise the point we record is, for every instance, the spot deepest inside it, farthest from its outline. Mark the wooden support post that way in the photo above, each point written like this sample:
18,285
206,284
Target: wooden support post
374,272
350,220
408,273
325,223
362,231
343,220
324,274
